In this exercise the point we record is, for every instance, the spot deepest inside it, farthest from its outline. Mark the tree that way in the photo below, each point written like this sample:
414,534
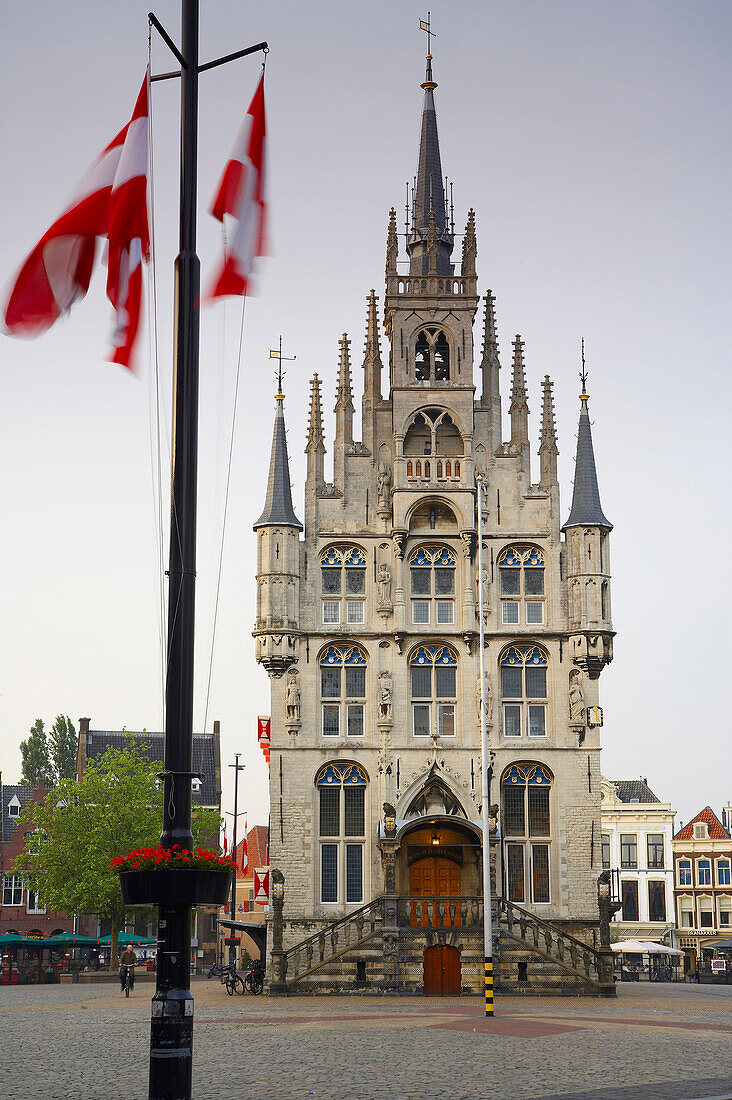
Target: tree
36,756
115,807
62,748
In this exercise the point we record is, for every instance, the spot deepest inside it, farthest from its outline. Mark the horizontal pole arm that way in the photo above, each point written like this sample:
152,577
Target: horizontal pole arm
232,56
153,19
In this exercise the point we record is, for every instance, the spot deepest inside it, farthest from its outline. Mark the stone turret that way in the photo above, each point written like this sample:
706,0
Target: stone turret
278,560
587,532
490,367
372,367
519,407
548,449
344,414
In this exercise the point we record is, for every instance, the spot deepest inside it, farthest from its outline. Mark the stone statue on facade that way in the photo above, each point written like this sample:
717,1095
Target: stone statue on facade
385,696
293,699
383,485
383,584
576,698
488,700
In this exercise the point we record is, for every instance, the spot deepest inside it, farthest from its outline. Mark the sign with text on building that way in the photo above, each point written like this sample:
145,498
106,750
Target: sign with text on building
261,885
594,717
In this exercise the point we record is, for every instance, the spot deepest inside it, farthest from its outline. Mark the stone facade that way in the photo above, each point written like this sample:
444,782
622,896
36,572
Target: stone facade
369,624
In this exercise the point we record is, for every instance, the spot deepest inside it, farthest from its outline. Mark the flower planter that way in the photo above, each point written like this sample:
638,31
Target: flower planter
176,886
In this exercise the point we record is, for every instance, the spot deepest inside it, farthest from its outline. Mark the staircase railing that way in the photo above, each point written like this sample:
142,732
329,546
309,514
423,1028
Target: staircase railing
330,943
547,940
440,912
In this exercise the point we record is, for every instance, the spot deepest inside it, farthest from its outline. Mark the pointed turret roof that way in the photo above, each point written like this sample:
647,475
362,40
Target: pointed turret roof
548,435
344,392
278,503
316,437
429,194
586,509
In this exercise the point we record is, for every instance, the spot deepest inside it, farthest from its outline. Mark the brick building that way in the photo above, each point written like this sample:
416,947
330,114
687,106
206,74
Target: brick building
368,626
22,911
702,852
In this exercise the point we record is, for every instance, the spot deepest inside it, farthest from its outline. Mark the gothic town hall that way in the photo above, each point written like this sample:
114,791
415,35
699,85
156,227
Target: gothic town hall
367,623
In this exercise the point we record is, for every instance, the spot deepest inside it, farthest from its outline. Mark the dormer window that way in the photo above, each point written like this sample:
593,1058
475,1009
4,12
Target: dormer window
701,831
14,807
432,356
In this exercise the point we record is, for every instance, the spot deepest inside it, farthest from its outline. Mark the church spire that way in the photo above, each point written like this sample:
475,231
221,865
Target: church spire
278,510
586,510
519,408
429,192
548,449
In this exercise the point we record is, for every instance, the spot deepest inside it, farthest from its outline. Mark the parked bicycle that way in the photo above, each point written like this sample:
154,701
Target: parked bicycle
254,977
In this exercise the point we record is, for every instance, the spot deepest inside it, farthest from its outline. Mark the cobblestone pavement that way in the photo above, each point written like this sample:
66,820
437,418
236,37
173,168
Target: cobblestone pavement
651,1043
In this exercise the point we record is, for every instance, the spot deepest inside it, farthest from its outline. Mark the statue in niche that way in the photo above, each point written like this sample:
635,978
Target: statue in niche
384,485
385,695
383,582
488,700
576,698
293,699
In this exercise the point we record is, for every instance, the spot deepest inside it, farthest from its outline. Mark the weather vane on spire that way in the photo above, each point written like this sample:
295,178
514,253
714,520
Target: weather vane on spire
583,373
424,25
276,353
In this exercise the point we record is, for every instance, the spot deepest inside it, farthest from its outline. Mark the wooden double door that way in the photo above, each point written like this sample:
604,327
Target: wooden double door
442,971
433,877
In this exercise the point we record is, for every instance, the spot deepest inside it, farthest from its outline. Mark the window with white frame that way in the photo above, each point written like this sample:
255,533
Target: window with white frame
605,851
686,912
725,911
12,890
706,912
701,830
14,807
521,584
703,872
432,585
341,788
433,673
343,690
343,585
526,827
34,903
524,690
628,851
654,850
723,872
684,872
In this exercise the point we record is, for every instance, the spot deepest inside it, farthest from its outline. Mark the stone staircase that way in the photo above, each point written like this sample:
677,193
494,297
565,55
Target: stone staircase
379,948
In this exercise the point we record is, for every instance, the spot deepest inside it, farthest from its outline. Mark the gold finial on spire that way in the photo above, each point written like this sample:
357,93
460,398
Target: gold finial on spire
425,25
276,353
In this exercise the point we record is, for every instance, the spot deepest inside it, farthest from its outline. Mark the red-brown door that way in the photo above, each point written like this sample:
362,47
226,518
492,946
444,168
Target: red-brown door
442,971
430,878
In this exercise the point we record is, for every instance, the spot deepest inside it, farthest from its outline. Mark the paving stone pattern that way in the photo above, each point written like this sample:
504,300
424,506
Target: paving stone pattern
652,1043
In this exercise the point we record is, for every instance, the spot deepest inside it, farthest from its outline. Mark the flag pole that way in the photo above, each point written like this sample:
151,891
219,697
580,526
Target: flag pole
232,905
171,1024
485,779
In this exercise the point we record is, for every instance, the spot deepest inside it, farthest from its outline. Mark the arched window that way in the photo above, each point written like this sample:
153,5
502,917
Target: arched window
343,690
526,829
433,432
432,579
343,585
431,356
341,790
521,576
434,690
524,690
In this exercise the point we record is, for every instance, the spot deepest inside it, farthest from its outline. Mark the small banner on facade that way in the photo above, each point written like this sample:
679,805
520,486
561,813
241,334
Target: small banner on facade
261,885
263,727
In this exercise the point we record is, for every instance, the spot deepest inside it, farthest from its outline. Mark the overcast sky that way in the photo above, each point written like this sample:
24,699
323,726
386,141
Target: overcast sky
593,141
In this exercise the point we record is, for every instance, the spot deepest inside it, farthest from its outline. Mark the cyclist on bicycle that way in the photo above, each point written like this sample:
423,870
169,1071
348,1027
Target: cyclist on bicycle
127,961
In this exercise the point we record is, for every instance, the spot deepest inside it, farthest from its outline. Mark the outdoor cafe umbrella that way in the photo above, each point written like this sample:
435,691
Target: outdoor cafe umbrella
70,939
637,947
129,938
12,939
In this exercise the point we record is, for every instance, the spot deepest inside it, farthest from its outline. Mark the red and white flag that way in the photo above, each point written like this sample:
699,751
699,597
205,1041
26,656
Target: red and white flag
110,201
244,851
240,198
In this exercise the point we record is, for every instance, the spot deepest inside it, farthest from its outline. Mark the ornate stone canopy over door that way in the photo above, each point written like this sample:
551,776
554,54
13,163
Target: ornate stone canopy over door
442,971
